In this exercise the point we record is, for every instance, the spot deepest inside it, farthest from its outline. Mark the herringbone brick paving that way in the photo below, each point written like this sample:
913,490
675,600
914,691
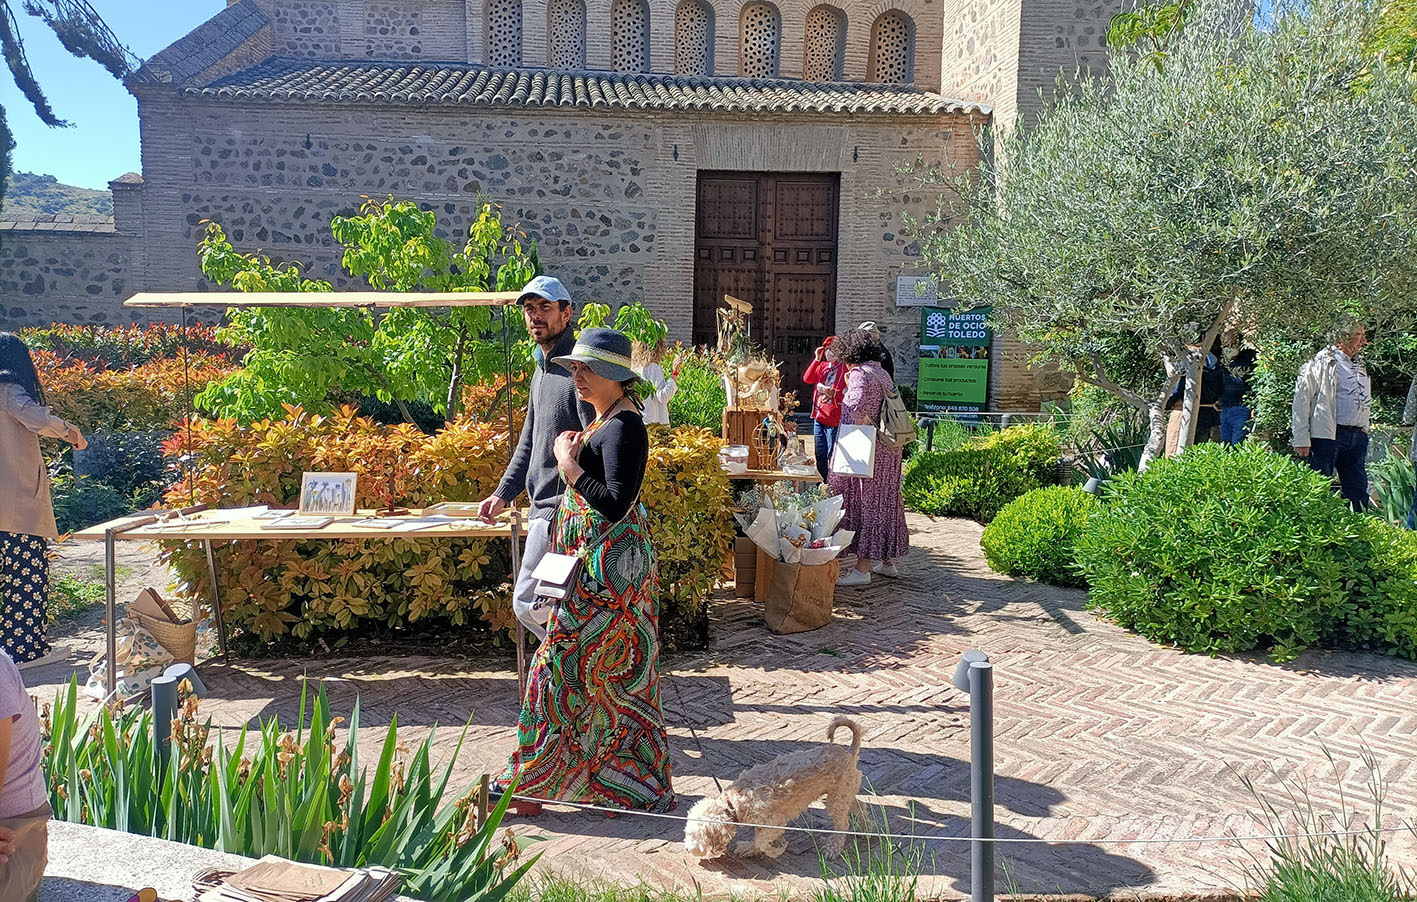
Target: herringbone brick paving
1100,735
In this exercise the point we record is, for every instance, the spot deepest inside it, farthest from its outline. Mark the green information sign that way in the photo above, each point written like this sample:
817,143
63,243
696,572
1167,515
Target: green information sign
941,327
954,360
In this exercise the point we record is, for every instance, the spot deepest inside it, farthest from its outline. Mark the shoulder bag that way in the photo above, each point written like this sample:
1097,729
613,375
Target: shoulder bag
557,575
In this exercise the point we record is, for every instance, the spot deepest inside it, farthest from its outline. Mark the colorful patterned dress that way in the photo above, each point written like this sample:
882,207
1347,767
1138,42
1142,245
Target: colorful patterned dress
873,508
591,729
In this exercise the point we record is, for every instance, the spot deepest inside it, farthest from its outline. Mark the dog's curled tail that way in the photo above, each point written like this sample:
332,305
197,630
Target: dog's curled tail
841,720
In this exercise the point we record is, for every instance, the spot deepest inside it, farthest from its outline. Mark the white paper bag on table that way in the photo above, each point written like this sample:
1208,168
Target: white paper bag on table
855,452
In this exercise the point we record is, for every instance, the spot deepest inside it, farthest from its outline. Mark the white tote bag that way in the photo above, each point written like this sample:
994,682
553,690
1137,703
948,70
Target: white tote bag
855,451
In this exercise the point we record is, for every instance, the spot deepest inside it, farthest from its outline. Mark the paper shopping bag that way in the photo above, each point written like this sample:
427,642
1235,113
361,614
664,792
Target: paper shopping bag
855,451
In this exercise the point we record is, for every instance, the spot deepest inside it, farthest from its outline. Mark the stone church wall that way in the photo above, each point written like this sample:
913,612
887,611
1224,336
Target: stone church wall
610,198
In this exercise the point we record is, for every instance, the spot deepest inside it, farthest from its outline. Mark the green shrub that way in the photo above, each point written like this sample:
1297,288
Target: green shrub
82,502
700,399
979,477
1382,611
300,795
1224,550
1034,534
1395,479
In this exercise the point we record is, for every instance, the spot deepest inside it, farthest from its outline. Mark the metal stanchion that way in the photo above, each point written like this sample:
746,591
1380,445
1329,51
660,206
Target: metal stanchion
976,674
165,706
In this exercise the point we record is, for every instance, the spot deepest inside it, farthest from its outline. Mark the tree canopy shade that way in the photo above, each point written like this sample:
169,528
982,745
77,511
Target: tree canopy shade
82,32
1261,176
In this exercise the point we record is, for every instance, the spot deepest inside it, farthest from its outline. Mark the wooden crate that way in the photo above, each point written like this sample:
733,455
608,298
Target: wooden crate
745,567
739,426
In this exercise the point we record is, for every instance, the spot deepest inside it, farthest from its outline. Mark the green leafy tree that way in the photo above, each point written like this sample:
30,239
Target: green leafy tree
302,356
82,32
1246,180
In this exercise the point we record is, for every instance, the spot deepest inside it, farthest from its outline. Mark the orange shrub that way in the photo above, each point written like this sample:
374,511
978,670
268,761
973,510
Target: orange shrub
151,395
120,347
272,587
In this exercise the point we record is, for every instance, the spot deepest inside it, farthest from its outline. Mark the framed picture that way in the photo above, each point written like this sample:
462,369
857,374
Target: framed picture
327,493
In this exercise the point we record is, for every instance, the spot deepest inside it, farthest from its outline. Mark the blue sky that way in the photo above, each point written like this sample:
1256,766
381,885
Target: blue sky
102,142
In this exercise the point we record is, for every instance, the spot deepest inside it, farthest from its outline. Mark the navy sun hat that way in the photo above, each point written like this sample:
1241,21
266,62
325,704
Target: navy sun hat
605,351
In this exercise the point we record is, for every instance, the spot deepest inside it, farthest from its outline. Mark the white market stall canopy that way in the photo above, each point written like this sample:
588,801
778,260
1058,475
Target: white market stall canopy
321,299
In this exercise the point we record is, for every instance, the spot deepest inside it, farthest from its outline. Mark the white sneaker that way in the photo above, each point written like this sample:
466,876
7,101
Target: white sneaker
56,653
854,578
885,569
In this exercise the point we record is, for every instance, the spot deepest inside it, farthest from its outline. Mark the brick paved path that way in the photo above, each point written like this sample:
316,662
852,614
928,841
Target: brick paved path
1100,735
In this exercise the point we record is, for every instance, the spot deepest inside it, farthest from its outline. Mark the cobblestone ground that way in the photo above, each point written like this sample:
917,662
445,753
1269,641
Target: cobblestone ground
1102,738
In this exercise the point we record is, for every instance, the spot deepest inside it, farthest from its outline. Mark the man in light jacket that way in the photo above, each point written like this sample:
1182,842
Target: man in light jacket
1333,401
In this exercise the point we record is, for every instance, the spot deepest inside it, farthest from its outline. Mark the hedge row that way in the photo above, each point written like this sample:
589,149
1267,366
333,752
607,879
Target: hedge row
982,474
1223,550
271,588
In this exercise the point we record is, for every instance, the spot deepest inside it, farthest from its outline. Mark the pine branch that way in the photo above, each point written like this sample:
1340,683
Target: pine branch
14,51
84,34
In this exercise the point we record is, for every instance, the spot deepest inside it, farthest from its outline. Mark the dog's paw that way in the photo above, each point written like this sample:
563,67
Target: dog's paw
776,848
744,849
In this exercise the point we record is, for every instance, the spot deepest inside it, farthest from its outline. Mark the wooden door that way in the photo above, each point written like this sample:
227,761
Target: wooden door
770,239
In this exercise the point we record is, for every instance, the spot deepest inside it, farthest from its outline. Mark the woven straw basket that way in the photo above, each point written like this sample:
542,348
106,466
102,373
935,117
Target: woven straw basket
178,638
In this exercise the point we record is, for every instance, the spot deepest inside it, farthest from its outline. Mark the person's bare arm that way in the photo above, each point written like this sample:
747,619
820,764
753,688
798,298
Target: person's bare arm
7,836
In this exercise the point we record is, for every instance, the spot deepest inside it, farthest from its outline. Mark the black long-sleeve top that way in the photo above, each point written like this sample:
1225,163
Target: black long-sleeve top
614,461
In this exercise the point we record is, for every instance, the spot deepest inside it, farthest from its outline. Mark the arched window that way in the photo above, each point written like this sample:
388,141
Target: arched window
693,38
825,47
629,36
760,40
565,30
892,58
504,32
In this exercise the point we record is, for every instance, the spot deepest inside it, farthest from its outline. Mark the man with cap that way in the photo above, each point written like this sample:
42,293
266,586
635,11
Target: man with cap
552,408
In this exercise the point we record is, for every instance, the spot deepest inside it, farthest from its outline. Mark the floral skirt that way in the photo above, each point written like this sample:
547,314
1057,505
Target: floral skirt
24,596
591,729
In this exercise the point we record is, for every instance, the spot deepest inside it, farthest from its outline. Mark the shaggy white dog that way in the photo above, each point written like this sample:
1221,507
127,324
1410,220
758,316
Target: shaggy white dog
774,793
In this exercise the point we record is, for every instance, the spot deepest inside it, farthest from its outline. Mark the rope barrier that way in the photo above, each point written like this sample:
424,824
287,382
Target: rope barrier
1032,840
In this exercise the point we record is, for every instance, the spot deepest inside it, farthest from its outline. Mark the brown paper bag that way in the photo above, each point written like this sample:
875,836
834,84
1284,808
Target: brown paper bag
796,597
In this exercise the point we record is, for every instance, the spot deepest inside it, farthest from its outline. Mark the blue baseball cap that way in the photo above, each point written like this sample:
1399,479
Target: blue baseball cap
548,287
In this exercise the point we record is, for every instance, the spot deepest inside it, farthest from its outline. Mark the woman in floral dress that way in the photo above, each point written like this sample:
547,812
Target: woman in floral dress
26,514
873,507
591,728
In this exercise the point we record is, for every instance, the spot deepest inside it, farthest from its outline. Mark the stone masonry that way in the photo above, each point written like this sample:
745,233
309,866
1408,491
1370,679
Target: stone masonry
606,185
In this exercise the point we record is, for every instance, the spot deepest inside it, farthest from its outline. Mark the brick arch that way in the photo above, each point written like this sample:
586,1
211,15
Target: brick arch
760,39
693,37
824,43
566,34
891,58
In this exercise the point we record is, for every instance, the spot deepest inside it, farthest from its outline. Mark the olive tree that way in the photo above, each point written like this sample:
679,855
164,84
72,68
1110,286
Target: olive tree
1257,175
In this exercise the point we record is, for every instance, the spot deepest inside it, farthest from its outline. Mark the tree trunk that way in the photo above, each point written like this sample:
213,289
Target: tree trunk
1409,410
1156,435
454,400
1195,368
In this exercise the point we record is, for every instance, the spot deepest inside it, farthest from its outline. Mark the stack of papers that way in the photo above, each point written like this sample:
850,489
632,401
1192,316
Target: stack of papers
274,879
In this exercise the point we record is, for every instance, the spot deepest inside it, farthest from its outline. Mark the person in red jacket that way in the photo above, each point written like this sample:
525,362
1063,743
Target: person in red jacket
828,377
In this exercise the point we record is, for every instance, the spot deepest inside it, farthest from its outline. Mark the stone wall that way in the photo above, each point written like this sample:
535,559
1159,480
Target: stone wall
1066,36
64,272
609,196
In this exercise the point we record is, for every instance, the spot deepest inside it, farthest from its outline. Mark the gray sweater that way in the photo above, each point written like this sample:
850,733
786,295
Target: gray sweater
553,408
